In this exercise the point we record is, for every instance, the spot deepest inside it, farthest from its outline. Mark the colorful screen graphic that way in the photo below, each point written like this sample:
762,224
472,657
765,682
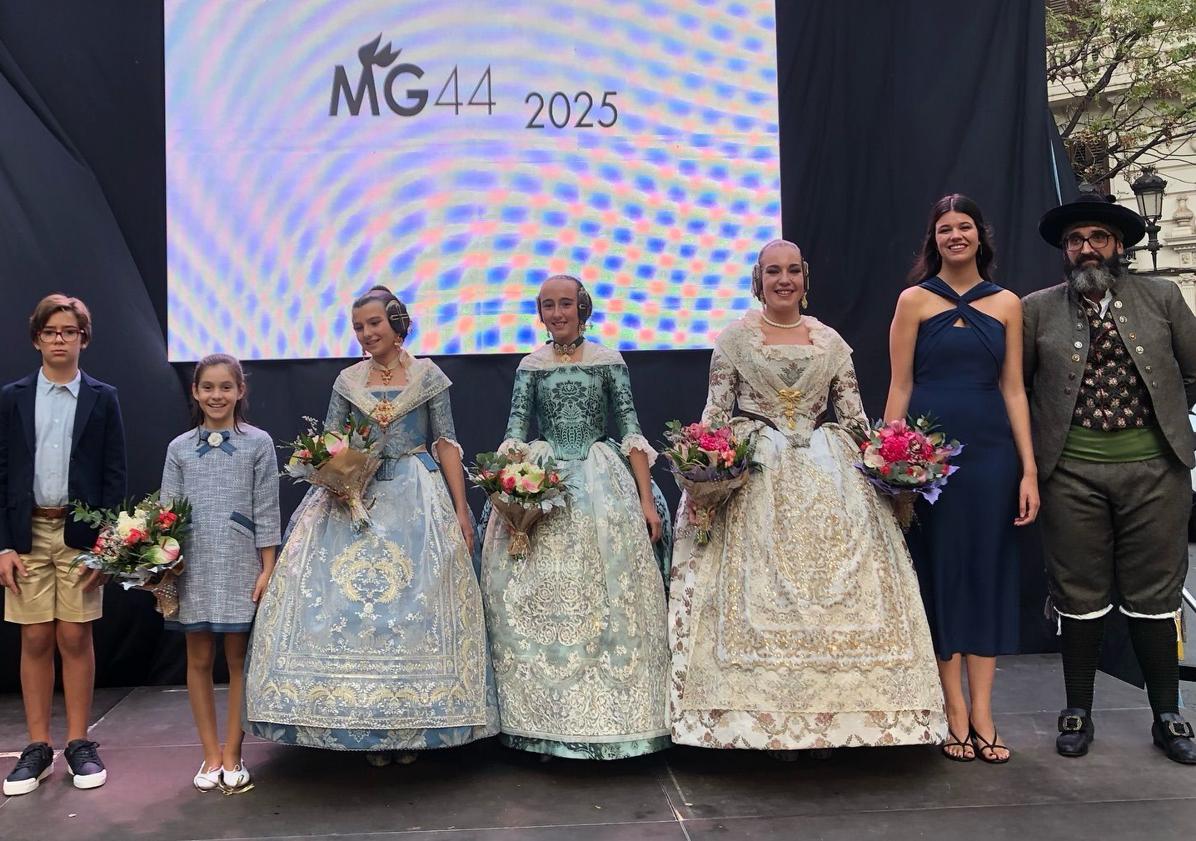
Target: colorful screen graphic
460,152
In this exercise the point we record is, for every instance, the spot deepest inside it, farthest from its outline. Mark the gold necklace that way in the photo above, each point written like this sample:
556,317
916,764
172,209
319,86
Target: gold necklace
386,374
797,323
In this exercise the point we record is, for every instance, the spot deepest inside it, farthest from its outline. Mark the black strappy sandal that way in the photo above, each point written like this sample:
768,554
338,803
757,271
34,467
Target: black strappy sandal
980,745
954,741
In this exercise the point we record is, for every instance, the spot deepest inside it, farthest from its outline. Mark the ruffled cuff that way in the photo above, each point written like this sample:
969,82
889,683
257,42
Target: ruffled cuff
512,446
639,442
436,448
716,418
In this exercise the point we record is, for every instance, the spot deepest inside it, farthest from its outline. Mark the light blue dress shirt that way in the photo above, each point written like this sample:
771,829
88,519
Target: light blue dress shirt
54,424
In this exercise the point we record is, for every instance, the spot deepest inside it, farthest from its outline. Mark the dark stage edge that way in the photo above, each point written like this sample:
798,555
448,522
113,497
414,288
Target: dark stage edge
1124,788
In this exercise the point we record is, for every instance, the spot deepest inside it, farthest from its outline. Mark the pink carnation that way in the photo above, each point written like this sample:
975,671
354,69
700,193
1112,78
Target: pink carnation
894,448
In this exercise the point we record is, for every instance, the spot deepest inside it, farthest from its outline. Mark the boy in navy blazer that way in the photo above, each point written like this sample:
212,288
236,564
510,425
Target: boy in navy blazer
61,441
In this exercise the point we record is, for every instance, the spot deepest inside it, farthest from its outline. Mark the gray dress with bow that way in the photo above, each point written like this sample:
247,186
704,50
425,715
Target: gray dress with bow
233,490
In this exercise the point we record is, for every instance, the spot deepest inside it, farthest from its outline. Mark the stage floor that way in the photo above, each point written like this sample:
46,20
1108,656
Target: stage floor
1123,789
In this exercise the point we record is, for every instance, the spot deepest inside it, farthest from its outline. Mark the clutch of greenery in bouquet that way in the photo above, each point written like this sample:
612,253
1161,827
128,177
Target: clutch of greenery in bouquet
709,464
341,460
522,491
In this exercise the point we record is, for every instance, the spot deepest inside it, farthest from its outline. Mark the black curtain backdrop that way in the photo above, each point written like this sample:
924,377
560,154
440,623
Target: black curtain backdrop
884,106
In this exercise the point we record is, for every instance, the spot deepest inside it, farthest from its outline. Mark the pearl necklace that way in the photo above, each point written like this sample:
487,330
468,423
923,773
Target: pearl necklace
769,321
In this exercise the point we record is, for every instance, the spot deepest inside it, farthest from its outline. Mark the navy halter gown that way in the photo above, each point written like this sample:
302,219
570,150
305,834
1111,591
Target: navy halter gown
964,546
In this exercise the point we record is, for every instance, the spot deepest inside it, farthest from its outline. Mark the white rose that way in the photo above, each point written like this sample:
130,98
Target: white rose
124,524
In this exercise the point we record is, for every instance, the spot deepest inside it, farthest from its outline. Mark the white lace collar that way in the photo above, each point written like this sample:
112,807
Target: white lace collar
592,353
424,381
822,337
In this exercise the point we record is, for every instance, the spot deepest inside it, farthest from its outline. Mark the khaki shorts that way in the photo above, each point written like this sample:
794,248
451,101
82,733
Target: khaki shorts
52,590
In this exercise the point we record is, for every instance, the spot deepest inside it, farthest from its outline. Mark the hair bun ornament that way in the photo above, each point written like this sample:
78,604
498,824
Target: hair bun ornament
758,282
396,314
585,303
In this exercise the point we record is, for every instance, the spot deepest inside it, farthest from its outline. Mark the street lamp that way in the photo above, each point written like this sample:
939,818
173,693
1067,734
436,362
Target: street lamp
1149,188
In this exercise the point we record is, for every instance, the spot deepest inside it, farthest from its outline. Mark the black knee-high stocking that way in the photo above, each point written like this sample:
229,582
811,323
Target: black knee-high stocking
1154,645
1081,641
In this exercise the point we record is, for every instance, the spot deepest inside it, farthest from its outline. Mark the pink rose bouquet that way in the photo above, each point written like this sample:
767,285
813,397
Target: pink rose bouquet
140,545
522,492
904,459
341,460
709,464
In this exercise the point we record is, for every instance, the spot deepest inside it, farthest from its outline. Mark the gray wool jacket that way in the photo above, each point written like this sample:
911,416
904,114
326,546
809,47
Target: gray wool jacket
1159,331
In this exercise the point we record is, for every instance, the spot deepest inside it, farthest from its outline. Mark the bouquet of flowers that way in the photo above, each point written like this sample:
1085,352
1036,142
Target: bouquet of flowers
523,492
140,545
903,459
709,464
341,460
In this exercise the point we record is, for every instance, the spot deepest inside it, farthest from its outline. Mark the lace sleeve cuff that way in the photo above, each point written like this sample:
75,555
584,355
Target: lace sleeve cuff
716,418
444,440
512,446
639,442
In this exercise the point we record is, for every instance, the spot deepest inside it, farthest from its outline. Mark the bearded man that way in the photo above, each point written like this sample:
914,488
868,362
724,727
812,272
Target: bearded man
1110,367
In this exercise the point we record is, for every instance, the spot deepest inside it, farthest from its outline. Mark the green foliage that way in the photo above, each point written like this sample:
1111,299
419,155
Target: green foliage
1129,70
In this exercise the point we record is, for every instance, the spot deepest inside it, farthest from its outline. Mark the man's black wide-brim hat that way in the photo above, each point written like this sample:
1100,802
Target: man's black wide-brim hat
1092,210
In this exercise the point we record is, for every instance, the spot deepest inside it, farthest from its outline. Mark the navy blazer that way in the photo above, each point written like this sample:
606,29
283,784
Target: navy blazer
97,466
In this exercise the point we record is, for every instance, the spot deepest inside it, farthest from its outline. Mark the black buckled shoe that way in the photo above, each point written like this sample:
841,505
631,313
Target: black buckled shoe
1075,732
1174,736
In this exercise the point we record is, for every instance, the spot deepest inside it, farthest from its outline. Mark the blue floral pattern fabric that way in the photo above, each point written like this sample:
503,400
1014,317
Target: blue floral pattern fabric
375,639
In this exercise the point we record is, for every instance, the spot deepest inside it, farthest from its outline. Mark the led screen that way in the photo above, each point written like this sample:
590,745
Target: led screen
459,152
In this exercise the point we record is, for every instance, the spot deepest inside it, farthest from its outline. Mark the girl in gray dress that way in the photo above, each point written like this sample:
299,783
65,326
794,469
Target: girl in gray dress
228,471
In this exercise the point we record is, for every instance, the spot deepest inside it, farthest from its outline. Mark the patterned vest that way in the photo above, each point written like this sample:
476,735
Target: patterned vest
1111,397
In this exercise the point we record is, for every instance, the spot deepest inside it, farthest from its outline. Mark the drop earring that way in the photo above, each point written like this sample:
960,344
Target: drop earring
805,301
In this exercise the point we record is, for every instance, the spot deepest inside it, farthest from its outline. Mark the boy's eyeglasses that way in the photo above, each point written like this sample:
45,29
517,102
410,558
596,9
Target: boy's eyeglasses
67,334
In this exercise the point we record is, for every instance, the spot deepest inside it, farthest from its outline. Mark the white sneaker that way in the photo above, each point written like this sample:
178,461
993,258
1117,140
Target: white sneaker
207,780
236,779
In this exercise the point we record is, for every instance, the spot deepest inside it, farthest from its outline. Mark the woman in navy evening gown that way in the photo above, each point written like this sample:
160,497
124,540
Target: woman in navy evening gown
956,353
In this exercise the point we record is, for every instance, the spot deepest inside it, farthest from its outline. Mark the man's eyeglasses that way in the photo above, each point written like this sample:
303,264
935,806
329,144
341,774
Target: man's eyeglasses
1097,239
67,334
